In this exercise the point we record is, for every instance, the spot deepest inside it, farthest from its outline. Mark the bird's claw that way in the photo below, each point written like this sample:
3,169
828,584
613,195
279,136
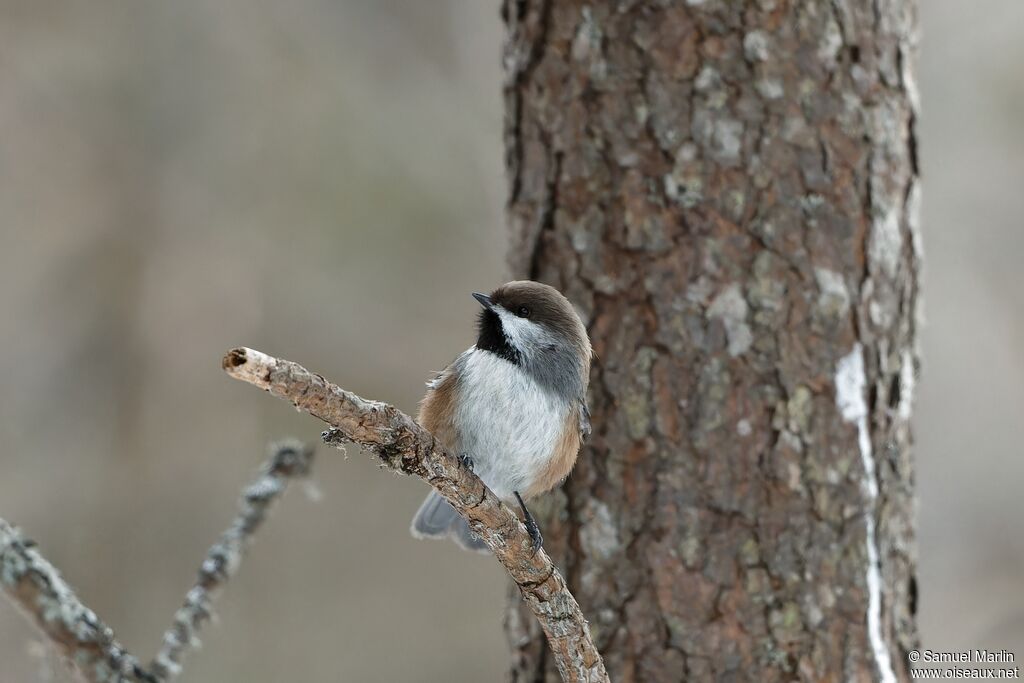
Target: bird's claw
535,537
531,525
332,436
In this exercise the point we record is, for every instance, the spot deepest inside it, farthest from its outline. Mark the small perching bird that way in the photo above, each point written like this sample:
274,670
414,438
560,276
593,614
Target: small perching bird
513,406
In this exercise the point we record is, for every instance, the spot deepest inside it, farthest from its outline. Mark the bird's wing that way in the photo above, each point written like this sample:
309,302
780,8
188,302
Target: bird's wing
584,413
437,409
439,377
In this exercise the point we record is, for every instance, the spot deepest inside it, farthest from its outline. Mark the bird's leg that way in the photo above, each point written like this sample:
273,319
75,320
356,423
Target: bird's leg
466,461
531,525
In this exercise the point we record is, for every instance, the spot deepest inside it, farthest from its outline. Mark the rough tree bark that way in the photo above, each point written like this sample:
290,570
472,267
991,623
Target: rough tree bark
729,192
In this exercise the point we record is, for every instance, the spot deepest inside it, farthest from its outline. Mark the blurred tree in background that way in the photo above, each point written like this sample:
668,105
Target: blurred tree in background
730,192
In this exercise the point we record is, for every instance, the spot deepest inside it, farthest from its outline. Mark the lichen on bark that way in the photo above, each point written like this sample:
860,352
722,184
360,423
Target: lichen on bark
729,193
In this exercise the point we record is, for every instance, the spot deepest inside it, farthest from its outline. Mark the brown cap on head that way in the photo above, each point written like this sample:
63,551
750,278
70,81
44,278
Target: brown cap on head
545,306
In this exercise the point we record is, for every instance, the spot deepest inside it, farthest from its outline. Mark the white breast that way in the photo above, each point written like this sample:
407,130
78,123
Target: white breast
508,424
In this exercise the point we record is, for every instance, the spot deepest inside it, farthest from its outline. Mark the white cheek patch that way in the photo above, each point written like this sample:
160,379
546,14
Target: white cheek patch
524,334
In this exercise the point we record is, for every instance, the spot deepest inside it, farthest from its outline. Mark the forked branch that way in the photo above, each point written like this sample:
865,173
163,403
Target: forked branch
404,446
35,586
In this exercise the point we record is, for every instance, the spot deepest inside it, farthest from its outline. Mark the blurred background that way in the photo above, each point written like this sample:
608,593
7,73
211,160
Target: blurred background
323,180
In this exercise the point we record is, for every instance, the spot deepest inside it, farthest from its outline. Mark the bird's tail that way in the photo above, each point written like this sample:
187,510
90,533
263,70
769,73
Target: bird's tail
436,518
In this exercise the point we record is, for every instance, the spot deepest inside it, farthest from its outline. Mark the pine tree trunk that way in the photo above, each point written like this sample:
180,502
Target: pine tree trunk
728,190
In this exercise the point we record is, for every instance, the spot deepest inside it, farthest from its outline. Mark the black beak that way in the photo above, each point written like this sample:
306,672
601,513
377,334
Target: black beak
484,300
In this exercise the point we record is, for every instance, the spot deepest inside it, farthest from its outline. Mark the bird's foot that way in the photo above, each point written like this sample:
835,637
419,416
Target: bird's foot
333,437
531,525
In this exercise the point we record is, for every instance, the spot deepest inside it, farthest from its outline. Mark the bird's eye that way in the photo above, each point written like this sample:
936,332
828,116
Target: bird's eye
523,312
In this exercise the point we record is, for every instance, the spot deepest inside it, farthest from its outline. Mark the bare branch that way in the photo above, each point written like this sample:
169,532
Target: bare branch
404,446
89,644
38,589
287,459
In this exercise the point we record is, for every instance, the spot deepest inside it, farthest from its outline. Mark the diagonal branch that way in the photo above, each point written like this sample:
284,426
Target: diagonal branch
287,460
404,446
36,586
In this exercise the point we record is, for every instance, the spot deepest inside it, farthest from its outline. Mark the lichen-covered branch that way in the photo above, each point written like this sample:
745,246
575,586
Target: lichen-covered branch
287,460
89,644
36,586
404,446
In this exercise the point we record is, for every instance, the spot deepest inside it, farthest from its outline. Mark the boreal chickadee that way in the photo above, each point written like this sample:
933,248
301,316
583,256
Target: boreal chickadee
514,405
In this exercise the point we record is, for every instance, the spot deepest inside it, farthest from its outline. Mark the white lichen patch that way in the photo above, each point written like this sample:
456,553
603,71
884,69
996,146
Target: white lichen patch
799,408
794,480
755,46
834,299
635,402
727,139
707,79
791,441
685,190
907,49
699,291
851,383
796,131
913,211
886,241
769,88
731,308
686,153
588,37
830,43
586,46
599,534
583,231
907,381
812,613
881,316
